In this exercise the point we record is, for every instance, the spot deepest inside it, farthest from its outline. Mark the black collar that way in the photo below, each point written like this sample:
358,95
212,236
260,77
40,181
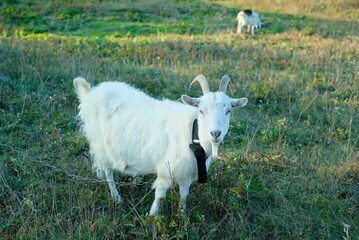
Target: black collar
199,153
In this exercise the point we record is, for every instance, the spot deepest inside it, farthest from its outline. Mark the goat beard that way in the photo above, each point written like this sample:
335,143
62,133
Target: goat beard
215,151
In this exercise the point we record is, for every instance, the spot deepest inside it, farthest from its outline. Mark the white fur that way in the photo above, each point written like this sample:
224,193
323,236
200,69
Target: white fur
133,133
252,21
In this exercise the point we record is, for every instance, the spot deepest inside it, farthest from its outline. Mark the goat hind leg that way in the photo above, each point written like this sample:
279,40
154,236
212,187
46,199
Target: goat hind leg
112,185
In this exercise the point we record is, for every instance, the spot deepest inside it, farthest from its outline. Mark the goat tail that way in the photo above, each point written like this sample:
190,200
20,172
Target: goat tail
82,87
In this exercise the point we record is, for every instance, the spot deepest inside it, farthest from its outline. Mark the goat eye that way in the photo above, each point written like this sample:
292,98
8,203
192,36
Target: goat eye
201,112
228,111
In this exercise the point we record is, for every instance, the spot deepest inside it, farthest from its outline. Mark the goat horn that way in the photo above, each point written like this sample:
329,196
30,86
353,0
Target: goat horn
203,82
224,83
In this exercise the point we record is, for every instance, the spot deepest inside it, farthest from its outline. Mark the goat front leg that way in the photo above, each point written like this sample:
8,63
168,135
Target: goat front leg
184,191
161,187
239,27
111,184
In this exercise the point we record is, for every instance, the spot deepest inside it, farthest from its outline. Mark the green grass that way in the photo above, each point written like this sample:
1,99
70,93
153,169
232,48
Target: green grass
289,167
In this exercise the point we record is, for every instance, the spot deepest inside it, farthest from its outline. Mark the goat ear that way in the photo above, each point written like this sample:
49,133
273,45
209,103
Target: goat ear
190,101
241,102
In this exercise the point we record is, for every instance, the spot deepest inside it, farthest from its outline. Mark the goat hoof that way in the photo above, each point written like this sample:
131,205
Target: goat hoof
182,213
117,199
151,218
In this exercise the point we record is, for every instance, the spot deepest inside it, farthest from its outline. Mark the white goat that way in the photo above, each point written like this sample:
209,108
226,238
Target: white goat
249,18
133,133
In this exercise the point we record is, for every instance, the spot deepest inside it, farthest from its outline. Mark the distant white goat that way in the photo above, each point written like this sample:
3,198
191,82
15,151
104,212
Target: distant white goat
249,18
133,133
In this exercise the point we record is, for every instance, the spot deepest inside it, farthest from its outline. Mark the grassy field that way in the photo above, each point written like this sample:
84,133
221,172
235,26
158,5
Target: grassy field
288,168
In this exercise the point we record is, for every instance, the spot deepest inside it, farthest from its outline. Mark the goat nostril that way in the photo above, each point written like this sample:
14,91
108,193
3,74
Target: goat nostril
215,134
